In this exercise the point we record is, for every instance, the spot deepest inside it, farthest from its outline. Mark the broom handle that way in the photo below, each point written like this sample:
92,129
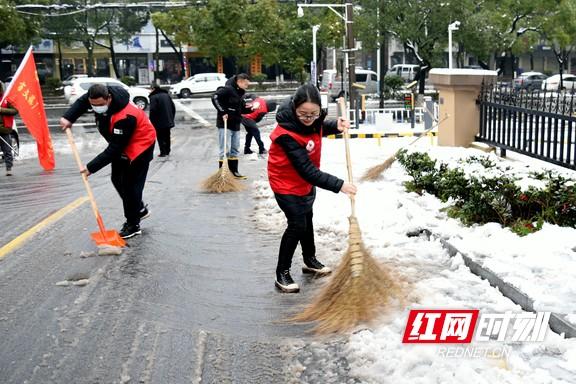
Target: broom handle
225,118
85,179
344,112
436,124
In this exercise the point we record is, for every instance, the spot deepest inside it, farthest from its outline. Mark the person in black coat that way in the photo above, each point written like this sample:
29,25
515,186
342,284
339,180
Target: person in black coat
162,112
230,103
294,173
131,139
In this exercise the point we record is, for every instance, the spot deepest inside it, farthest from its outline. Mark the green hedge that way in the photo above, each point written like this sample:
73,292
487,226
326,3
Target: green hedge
495,198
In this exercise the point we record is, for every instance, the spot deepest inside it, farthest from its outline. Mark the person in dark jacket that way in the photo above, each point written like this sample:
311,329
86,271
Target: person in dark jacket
7,113
162,112
260,107
131,138
230,104
293,173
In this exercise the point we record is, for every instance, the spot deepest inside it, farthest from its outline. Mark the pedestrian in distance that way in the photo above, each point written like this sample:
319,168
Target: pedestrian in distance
131,138
230,103
260,107
294,174
7,113
162,112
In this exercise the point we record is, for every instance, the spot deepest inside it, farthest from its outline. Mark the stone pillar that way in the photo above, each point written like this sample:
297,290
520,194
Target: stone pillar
459,115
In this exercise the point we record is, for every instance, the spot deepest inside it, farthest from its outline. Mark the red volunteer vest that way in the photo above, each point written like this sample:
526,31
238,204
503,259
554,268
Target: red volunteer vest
263,108
144,135
283,178
7,120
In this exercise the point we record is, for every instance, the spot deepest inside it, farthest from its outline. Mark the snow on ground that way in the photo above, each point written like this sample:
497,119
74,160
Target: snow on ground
541,265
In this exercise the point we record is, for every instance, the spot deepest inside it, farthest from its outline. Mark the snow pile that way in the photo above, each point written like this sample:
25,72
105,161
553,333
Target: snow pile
541,264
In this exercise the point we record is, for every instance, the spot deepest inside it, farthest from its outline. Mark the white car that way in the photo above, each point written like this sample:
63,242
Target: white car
71,78
80,86
199,83
553,82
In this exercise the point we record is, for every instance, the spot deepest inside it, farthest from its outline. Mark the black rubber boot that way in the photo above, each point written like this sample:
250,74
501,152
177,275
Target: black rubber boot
233,165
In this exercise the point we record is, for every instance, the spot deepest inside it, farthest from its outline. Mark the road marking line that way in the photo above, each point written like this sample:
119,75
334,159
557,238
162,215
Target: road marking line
22,238
190,112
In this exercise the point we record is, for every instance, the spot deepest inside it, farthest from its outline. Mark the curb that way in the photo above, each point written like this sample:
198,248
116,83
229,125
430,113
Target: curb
557,323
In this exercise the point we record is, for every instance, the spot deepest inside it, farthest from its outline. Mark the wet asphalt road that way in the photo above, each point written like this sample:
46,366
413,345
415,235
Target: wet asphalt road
190,301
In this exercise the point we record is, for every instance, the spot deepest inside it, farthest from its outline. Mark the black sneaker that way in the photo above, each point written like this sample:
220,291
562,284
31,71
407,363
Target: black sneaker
262,151
8,171
248,151
130,230
144,212
315,267
285,283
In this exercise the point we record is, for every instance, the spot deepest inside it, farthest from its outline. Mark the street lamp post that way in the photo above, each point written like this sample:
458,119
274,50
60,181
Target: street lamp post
314,62
350,49
451,27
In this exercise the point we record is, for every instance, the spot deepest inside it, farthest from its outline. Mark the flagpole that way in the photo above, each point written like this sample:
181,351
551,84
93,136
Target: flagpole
20,67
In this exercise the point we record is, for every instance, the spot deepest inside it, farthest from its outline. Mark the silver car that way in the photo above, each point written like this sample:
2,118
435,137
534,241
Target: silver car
529,81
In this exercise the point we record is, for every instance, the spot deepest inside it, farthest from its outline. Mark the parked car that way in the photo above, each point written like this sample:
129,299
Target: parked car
80,86
405,71
199,83
553,82
529,81
70,79
332,82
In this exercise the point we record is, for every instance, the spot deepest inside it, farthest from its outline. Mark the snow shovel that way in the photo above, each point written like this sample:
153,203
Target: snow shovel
103,237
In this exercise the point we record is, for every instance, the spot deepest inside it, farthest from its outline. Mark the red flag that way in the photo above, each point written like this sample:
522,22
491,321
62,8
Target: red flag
25,95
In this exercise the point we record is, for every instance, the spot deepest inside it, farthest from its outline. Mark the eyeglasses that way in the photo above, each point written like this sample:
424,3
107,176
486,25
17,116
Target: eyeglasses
313,116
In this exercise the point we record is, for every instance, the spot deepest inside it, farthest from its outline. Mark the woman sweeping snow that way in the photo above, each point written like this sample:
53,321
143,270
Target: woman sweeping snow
293,173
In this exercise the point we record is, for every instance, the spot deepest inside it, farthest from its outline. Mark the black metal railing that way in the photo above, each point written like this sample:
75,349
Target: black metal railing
539,124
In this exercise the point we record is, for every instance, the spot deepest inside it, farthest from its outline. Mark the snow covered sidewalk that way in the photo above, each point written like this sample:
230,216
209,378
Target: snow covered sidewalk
542,265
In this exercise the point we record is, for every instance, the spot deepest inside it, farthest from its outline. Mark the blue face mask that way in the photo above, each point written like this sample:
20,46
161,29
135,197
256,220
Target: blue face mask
100,109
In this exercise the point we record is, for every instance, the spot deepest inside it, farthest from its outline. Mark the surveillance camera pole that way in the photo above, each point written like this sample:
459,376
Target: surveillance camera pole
451,27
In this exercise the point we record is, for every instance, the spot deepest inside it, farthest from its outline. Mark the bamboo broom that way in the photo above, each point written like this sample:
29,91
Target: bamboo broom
359,289
375,172
223,180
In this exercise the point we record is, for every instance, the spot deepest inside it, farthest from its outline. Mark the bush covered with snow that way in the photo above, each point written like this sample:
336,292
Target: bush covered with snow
481,192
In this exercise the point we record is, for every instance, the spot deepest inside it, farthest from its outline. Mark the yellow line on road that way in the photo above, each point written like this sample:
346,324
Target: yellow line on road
21,239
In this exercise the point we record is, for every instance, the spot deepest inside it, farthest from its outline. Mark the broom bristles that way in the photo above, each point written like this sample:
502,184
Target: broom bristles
222,181
375,172
357,293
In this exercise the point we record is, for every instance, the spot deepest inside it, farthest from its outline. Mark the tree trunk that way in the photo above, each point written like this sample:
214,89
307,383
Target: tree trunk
383,67
90,61
60,66
113,54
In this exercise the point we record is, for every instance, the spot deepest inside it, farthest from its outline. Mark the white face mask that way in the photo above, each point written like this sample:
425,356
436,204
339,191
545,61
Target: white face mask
100,108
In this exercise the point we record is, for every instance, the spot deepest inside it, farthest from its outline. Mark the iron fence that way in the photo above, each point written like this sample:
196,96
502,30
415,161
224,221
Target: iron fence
539,124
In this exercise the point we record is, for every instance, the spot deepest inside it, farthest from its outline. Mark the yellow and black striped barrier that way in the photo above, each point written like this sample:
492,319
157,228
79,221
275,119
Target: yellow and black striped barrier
383,135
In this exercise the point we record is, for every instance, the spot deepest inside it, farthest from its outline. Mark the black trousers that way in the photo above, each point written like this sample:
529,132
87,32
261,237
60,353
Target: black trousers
298,211
163,137
129,177
7,150
252,131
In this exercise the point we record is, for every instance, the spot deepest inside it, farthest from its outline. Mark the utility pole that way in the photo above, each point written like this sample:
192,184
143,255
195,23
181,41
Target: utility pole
351,50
